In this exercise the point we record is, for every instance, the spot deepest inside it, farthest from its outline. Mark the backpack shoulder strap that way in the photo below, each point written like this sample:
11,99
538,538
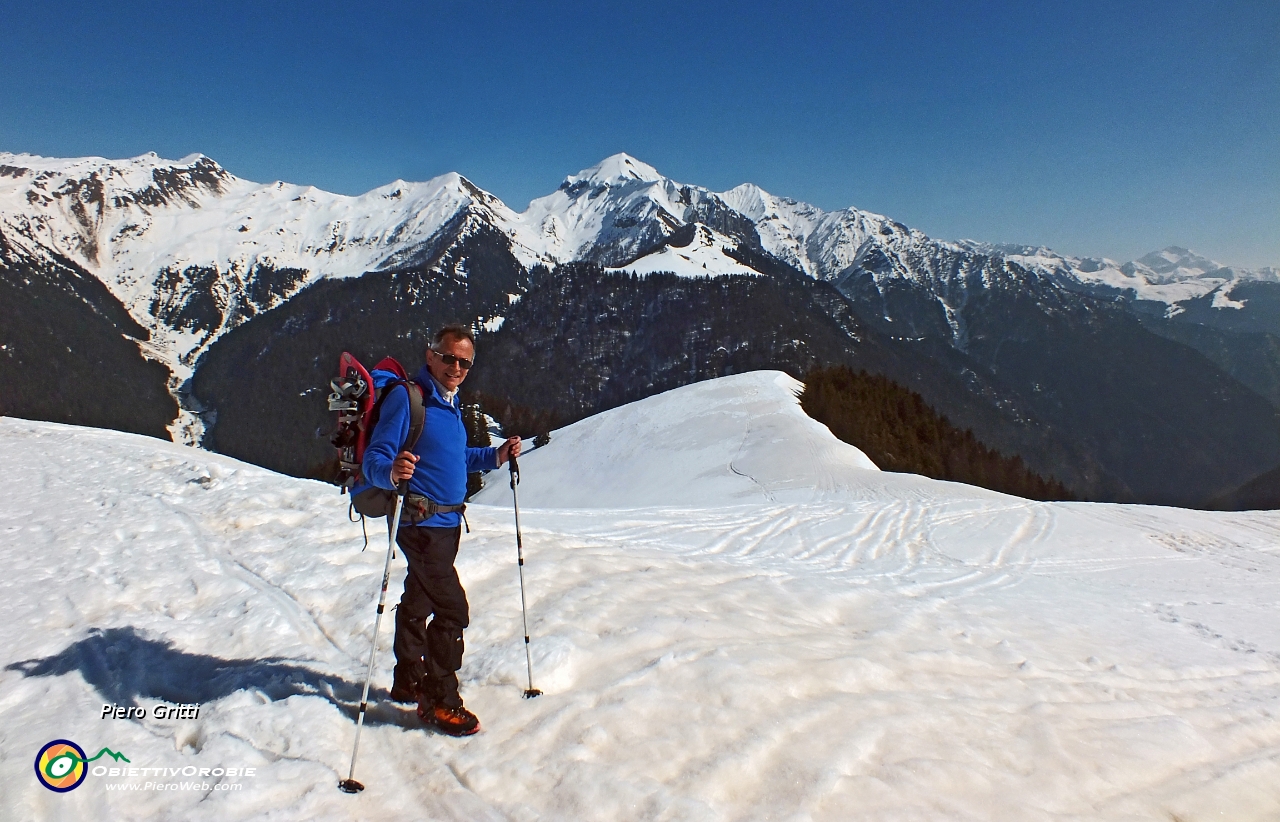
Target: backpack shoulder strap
417,411
417,414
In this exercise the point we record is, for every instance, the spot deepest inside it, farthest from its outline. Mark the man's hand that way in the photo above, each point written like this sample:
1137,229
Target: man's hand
508,450
402,468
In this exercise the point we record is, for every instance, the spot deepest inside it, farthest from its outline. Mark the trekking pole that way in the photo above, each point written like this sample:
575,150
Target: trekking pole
350,785
524,612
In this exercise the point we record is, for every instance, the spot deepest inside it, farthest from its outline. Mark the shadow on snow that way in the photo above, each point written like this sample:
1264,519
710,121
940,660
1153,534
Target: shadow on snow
124,667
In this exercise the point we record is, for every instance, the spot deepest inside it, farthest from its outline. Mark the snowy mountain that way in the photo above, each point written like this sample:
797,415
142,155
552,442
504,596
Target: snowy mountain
167,237
205,273
191,250
146,226
1171,277
758,625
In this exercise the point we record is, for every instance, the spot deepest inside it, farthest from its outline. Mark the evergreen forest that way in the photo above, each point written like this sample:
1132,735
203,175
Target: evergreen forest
899,432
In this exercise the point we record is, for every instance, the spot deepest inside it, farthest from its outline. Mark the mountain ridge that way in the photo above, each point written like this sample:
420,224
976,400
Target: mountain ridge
818,242
195,255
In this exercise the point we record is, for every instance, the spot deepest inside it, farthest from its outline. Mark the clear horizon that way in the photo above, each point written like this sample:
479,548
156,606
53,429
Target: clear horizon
1093,131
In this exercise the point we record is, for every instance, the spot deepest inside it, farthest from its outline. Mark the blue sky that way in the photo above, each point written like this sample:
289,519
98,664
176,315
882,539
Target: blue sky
1094,128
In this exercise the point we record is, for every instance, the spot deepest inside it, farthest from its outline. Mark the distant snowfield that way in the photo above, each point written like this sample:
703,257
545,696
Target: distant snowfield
704,256
734,616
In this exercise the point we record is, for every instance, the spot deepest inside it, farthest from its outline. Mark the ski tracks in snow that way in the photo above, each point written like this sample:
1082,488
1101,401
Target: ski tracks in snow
926,547
1031,632
304,623
874,647
911,649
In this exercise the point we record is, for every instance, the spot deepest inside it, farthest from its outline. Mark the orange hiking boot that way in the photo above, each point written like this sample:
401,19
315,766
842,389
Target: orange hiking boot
453,721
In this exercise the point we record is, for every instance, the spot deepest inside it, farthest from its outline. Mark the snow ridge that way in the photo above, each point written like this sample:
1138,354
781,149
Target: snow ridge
733,616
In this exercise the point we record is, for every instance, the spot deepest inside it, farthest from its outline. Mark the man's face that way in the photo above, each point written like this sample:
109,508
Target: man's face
450,375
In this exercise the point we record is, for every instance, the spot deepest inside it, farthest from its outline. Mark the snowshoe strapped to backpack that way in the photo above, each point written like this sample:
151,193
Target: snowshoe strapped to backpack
357,398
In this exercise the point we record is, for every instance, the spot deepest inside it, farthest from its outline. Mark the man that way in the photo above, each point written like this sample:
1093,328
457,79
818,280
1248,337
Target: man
428,656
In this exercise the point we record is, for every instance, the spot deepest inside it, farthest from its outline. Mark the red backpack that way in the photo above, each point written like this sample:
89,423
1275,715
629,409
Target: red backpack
357,398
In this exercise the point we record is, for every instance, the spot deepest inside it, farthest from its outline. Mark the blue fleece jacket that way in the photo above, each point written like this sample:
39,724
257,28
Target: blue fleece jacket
443,455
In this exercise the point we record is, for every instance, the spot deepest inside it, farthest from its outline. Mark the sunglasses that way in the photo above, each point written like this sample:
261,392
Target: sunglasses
449,359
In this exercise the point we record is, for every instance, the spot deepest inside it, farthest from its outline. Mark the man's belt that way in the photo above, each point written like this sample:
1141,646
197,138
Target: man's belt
418,508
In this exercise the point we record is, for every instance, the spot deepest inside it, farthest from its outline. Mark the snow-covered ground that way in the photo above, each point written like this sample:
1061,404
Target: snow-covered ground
734,616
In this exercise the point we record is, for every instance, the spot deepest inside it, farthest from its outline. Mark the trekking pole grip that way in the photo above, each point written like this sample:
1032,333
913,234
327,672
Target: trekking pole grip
515,472
403,488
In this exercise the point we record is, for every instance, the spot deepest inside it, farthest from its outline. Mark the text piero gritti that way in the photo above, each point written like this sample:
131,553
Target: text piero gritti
162,711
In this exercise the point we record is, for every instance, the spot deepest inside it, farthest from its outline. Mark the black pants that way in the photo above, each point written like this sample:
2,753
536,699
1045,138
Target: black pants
431,653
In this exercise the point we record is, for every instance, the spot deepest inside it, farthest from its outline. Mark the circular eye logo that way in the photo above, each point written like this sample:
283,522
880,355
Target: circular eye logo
60,765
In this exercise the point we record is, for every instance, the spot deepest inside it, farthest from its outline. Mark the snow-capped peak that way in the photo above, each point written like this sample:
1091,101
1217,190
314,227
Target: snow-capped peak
1177,263
618,169
819,243
750,200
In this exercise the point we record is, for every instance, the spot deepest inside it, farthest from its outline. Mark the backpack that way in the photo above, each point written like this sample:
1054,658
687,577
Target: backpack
357,398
